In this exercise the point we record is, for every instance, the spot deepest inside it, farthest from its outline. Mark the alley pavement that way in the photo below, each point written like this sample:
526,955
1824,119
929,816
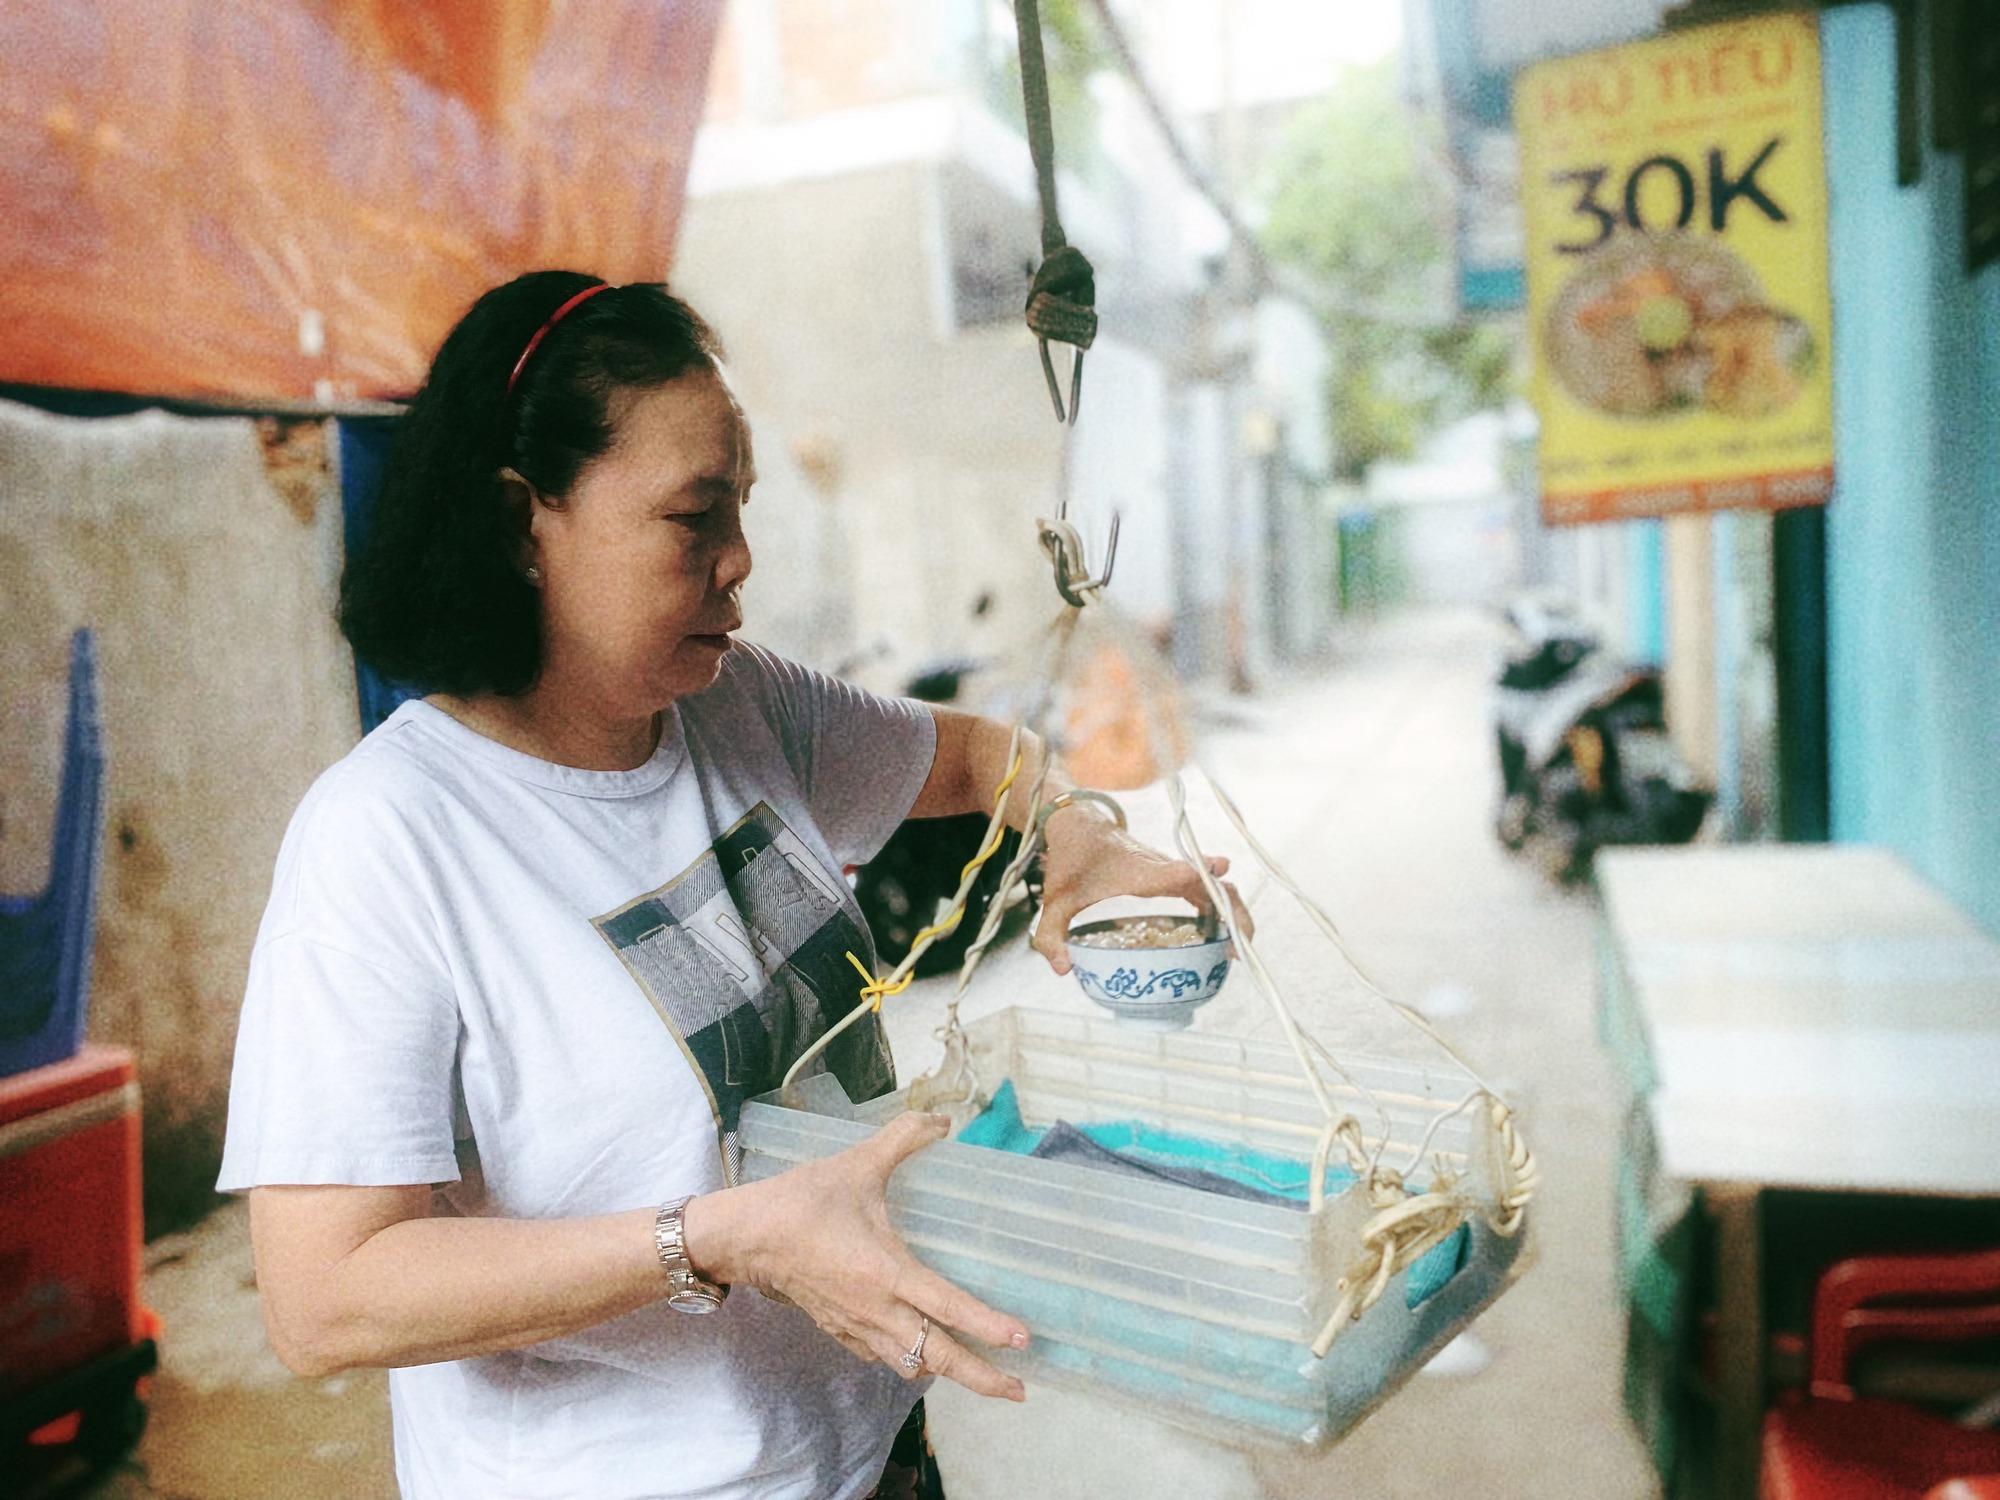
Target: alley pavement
1372,782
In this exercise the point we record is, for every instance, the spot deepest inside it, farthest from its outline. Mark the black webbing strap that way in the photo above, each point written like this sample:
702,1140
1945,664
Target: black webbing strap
1063,293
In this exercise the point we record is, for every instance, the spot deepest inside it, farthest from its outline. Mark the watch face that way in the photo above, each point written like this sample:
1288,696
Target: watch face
689,1300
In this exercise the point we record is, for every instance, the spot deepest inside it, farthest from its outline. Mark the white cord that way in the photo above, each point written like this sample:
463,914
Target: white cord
1184,837
867,1007
1417,1157
1325,924
1061,631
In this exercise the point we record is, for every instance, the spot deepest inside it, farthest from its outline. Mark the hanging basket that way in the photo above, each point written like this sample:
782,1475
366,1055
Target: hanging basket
1202,1308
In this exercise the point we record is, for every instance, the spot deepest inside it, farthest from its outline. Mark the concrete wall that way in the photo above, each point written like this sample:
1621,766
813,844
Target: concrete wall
1119,463
832,296
827,294
1207,572
205,560
1914,530
1691,646
1746,686
1456,552
1447,519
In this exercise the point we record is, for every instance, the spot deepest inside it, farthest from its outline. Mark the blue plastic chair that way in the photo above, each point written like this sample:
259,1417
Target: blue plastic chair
46,938
365,445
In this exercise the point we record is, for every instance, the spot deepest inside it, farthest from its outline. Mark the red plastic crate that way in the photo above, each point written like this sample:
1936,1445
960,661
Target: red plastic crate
70,1225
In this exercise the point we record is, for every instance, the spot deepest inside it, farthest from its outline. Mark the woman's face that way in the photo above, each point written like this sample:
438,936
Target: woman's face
642,561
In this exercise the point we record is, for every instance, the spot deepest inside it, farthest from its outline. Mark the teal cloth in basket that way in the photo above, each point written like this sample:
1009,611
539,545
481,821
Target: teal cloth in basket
1279,1178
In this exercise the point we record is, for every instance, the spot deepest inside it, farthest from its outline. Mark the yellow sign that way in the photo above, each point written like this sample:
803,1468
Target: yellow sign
1677,290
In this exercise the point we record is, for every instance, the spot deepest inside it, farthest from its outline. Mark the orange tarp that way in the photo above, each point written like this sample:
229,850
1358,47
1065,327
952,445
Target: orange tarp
291,200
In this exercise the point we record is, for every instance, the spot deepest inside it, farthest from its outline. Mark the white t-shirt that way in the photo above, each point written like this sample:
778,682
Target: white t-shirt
548,991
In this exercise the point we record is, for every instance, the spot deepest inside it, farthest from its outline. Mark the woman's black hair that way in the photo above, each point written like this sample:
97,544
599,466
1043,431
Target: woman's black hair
435,599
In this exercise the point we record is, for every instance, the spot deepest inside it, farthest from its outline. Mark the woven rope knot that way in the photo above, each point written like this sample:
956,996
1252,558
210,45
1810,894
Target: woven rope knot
1403,1229
1353,1143
1062,298
1518,1170
1385,1187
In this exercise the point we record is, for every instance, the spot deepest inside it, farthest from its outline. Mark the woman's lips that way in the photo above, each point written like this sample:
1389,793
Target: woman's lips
717,638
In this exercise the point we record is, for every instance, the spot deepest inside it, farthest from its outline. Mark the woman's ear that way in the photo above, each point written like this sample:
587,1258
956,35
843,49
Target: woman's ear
518,497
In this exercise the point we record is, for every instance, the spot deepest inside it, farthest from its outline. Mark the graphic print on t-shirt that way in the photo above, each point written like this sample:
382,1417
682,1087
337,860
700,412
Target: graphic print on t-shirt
745,955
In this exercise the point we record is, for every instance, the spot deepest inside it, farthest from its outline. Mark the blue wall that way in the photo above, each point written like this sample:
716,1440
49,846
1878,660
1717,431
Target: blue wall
1913,540
1646,592
1731,662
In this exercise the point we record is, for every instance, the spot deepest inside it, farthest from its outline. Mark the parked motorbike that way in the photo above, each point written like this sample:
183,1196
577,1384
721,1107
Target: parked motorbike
1585,759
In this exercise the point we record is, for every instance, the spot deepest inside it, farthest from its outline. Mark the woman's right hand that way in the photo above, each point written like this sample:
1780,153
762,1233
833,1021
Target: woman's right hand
818,1236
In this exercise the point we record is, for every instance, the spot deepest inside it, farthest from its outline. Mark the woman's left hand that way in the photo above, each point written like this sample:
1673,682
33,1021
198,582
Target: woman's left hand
1090,859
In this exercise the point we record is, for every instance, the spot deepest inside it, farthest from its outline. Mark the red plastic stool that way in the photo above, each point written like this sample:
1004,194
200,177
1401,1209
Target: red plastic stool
1829,1444
77,1343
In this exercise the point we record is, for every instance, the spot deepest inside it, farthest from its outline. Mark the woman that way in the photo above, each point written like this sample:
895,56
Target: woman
531,945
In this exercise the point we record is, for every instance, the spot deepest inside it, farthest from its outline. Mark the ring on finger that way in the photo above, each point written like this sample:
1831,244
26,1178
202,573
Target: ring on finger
914,1360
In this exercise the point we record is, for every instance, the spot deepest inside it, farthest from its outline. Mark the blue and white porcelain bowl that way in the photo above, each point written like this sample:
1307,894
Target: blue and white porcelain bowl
1142,984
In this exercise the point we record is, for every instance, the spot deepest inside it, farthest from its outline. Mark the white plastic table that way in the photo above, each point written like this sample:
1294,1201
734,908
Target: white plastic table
1814,1017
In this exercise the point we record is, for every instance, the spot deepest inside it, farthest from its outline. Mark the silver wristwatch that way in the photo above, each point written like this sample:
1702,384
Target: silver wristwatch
689,1294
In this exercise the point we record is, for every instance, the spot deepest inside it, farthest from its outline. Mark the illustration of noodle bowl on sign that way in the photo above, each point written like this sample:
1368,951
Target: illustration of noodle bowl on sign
1654,326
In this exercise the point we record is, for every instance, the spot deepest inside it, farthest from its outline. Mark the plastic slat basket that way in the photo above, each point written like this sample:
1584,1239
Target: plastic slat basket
1199,1307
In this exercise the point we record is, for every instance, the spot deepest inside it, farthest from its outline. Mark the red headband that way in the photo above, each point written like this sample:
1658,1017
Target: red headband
543,332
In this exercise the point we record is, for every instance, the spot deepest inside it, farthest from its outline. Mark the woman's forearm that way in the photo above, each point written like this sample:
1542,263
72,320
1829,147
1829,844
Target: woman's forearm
428,1289
972,760
417,1290
993,765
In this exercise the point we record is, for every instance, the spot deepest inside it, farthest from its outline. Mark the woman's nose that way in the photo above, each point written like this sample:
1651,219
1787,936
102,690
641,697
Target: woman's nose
732,567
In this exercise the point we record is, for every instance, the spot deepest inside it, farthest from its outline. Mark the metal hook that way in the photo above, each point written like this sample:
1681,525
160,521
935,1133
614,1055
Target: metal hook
1075,383
1063,544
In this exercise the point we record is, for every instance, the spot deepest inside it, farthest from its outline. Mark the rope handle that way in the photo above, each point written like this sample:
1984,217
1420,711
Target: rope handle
1405,1226
1332,934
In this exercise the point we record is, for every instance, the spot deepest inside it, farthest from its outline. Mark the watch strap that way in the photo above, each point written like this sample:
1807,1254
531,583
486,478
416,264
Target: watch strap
670,1243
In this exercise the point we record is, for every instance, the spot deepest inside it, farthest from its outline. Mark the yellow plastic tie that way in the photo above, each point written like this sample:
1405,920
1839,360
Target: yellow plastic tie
886,990
873,990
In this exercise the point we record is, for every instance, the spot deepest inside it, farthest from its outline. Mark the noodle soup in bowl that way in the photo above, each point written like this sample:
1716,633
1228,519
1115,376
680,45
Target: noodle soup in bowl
1151,971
